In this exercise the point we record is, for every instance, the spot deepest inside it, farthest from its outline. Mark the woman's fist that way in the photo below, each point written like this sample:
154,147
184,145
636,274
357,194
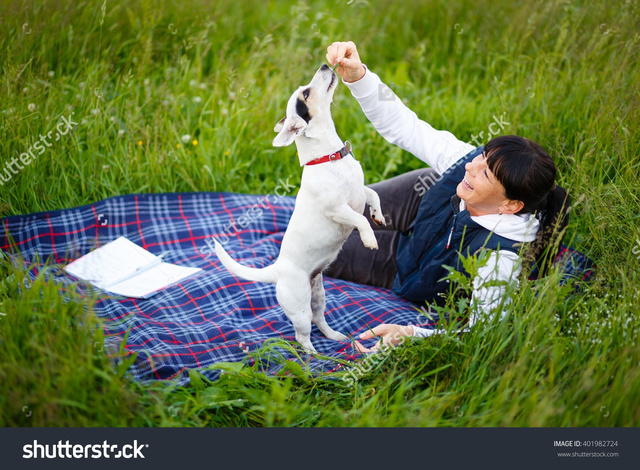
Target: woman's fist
345,54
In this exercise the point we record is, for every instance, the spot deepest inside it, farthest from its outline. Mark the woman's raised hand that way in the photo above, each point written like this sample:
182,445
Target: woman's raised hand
345,54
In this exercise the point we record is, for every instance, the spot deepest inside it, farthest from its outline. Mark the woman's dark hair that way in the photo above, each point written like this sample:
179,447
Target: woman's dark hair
528,174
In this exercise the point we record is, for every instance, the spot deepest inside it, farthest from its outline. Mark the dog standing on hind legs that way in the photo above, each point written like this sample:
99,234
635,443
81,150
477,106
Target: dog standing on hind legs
328,207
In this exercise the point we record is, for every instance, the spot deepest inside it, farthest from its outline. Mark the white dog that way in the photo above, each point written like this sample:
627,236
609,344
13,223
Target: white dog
328,207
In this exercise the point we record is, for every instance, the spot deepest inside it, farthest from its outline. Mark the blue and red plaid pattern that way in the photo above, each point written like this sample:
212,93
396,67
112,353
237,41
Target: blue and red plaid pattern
576,269
213,316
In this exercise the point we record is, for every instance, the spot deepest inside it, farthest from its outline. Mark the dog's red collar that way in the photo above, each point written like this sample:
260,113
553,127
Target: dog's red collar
343,152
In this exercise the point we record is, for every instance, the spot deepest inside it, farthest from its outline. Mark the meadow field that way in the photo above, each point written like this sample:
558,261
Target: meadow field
170,96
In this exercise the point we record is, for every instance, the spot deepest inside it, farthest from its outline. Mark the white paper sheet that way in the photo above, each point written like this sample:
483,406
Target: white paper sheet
126,269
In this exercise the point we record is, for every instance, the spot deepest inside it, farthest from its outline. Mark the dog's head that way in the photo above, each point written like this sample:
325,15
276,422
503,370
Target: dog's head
308,110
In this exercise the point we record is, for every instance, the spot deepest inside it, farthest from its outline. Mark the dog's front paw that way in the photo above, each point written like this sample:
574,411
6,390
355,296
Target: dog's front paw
369,240
378,218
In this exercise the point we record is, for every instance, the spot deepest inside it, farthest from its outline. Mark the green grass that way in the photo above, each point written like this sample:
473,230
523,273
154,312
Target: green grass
138,76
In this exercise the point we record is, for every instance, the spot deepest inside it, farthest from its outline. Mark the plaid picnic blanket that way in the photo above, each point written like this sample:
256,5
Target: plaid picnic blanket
213,316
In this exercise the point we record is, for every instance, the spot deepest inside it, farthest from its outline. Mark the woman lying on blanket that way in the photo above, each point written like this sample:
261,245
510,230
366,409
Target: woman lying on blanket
498,196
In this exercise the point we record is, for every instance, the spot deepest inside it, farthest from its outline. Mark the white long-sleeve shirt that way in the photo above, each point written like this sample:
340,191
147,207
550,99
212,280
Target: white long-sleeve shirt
441,149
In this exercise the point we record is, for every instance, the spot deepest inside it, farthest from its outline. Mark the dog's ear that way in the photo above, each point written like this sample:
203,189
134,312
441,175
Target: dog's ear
289,130
280,124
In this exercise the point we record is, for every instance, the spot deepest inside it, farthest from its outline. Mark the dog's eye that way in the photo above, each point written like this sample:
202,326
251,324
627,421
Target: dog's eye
305,93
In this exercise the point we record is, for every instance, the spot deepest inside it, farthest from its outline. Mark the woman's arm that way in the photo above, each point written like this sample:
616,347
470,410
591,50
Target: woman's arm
501,266
391,118
402,127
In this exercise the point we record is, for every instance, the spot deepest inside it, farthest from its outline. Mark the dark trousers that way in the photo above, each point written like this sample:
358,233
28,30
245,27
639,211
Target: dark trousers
400,198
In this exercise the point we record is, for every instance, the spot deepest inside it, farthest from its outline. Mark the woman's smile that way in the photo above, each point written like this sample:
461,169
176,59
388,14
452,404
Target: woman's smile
466,183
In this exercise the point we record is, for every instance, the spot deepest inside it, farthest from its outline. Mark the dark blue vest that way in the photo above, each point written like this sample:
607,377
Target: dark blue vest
422,248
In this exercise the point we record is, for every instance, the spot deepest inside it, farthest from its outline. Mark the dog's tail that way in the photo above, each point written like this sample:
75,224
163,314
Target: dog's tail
267,274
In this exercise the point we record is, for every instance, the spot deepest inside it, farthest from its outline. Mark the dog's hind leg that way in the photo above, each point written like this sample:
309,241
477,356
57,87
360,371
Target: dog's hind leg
293,292
373,201
318,306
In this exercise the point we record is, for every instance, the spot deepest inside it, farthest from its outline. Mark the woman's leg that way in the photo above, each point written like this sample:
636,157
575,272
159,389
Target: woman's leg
400,198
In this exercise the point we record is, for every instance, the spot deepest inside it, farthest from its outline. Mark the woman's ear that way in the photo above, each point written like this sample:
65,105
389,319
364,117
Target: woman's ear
511,206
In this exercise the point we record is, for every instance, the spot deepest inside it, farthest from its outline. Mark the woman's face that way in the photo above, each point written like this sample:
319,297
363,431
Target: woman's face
482,192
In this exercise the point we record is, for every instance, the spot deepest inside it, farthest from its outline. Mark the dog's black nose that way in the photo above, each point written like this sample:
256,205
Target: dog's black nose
324,67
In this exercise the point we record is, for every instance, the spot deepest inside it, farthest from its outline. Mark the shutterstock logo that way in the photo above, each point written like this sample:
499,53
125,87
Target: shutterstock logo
83,451
13,167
